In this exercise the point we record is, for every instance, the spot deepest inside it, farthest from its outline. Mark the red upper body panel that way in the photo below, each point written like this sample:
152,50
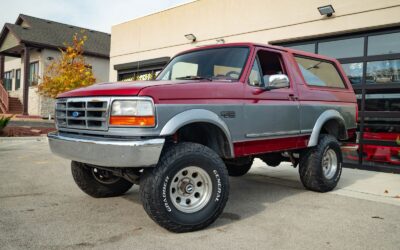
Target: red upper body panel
204,91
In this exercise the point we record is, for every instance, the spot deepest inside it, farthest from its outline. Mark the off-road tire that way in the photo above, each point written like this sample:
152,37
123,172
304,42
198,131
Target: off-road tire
85,180
155,187
239,167
310,166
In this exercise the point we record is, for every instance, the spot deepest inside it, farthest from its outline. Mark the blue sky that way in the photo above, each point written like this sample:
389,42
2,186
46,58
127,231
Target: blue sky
93,14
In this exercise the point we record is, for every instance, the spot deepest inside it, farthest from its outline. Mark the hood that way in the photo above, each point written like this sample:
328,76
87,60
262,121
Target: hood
116,88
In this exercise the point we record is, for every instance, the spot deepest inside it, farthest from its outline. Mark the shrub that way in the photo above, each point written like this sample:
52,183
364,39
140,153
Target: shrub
3,122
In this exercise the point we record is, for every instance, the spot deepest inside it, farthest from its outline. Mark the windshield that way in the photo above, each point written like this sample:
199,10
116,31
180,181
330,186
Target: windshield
219,63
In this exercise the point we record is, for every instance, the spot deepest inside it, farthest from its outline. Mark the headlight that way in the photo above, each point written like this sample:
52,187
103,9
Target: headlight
132,113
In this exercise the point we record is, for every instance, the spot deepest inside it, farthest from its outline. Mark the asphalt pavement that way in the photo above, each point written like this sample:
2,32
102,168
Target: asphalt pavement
42,208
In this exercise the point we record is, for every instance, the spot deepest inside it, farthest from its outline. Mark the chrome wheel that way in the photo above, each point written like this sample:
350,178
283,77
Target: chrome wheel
104,177
329,163
190,189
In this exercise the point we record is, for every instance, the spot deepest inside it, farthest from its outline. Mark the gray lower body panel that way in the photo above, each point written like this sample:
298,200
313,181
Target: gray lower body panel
107,152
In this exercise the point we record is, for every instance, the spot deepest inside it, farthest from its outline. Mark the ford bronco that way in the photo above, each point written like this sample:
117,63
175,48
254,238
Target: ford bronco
208,114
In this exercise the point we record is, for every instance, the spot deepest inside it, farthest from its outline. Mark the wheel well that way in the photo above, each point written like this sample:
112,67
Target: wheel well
336,128
206,134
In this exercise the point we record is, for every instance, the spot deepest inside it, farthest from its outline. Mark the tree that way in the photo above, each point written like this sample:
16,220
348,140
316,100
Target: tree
68,72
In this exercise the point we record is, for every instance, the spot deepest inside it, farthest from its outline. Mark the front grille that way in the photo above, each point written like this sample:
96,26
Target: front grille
83,113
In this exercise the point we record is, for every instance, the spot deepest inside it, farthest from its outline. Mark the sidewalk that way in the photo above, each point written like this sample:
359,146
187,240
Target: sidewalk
355,183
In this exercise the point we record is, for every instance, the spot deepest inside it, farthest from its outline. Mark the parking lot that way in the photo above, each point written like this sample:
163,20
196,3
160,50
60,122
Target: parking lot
41,208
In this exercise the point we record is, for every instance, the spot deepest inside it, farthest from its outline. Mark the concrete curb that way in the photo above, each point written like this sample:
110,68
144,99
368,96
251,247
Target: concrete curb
44,124
24,138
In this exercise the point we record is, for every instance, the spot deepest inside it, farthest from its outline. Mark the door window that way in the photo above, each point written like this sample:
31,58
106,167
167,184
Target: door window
266,64
255,74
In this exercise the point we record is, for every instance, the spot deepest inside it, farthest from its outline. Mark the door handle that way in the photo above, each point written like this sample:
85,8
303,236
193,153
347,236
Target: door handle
292,97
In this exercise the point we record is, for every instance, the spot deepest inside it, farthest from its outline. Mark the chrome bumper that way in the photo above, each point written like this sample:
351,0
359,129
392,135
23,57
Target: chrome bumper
106,152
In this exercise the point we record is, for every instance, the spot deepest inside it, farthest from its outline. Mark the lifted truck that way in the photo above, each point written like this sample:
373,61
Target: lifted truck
209,113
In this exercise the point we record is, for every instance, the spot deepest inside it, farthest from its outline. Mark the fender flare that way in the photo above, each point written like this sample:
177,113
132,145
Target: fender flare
322,119
193,116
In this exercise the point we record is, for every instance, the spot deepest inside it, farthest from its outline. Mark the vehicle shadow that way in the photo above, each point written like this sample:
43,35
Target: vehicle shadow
261,189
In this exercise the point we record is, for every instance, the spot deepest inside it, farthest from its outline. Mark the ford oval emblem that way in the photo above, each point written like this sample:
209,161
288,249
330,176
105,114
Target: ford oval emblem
75,114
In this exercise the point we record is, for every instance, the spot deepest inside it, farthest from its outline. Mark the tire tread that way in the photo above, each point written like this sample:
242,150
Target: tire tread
152,178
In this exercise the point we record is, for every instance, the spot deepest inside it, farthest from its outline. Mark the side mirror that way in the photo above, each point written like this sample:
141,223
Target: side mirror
277,81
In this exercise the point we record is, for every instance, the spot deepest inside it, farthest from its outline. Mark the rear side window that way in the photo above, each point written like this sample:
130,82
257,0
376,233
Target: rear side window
320,73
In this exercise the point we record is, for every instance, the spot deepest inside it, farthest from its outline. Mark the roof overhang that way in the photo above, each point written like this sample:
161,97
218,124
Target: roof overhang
145,64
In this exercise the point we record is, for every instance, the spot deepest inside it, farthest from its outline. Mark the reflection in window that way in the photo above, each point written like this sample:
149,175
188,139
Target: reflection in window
354,72
138,76
383,72
319,73
345,48
384,44
182,69
304,47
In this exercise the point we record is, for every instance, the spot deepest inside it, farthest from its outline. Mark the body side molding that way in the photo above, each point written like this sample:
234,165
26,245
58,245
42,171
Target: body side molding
324,117
193,116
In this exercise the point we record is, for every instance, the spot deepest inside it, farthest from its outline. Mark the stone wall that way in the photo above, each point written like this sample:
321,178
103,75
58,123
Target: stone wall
47,106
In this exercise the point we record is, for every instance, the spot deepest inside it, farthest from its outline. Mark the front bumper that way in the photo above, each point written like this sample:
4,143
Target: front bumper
106,152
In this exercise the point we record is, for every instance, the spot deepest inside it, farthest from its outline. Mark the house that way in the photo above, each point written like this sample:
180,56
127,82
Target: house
364,35
27,47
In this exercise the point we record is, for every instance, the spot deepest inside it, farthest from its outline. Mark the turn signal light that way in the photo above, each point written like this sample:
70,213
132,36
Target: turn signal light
141,121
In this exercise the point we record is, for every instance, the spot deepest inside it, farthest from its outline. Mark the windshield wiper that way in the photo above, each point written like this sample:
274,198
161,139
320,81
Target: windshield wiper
194,78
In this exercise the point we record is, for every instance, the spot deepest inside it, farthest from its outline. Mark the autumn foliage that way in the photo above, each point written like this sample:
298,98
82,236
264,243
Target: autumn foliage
68,72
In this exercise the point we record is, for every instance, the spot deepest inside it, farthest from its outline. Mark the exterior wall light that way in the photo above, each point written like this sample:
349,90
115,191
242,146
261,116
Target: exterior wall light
191,37
50,58
326,10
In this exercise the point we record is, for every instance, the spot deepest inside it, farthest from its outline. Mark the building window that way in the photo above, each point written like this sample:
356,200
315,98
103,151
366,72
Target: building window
319,73
345,48
138,76
304,47
33,73
382,102
141,70
17,79
8,80
384,44
354,72
387,71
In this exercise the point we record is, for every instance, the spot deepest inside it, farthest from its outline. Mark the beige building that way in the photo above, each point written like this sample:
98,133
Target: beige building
161,34
27,47
364,35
